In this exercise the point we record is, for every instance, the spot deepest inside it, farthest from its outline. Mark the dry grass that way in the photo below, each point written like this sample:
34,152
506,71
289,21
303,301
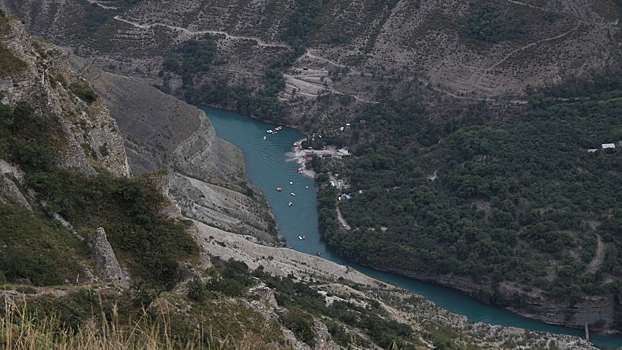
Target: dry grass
20,331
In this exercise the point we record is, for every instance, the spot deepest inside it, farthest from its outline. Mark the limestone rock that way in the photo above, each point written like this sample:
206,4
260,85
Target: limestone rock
89,135
107,261
11,191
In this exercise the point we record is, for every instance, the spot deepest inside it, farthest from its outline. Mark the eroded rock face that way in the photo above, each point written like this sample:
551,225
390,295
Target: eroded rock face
590,310
11,191
162,132
90,136
107,261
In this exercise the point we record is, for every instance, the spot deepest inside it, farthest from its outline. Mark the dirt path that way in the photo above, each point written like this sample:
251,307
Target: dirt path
227,35
600,256
342,221
310,55
479,81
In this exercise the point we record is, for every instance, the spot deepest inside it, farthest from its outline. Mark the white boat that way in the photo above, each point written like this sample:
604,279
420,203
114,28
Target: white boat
264,137
293,194
269,131
290,204
291,183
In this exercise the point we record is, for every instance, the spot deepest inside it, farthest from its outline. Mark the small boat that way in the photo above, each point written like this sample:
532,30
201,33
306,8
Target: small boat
302,238
293,194
299,170
290,204
278,189
318,253
307,187
291,183
264,137
269,131
278,128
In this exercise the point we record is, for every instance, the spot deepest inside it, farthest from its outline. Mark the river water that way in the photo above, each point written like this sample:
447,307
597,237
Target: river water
268,167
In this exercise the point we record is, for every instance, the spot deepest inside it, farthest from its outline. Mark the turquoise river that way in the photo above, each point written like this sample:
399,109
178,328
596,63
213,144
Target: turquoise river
269,167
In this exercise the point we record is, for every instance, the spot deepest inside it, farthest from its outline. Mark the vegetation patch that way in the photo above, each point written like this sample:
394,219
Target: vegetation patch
84,92
9,63
484,23
128,209
514,202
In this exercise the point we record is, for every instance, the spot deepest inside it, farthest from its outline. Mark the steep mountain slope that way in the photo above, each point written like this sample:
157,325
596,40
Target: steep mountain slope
207,174
288,300
432,41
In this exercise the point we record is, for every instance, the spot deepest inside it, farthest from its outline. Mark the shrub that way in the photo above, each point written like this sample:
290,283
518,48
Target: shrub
84,92
196,289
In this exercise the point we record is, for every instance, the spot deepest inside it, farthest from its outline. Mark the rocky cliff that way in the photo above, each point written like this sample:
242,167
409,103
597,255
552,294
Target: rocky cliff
591,310
91,139
207,174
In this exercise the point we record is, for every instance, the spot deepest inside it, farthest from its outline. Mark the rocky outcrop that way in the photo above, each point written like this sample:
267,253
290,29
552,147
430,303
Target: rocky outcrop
590,310
107,261
206,173
162,132
9,189
219,207
90,137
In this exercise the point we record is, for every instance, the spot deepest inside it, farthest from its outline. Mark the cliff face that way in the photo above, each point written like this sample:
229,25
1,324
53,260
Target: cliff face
588,311
206,173
91,137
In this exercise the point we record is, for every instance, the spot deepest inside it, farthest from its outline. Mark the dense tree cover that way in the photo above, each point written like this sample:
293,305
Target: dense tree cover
302,23
485,23
509,202
128,209
191,59
262,103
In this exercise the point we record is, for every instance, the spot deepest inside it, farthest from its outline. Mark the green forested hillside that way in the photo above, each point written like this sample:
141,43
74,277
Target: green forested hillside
37,248
524,201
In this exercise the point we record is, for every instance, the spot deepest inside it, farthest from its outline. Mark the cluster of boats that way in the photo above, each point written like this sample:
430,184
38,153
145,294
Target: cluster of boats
275,131
279,189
